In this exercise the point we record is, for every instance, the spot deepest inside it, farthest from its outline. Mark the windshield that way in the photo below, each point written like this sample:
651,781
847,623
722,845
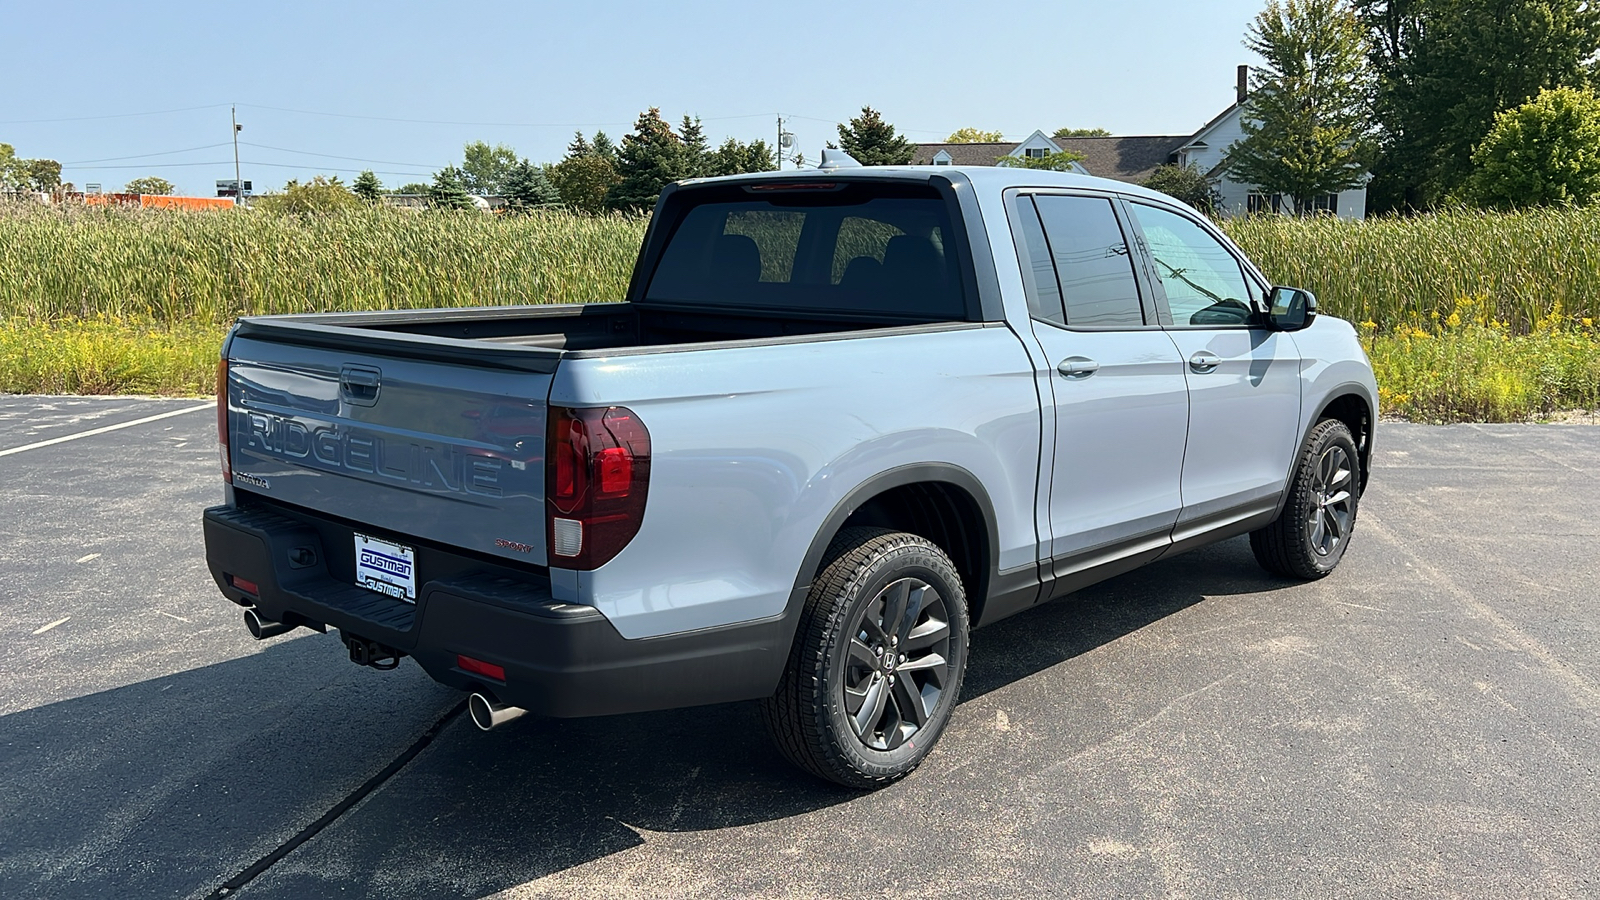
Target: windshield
866,248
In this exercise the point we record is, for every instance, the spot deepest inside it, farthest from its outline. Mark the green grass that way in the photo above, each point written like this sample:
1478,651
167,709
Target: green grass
1466,315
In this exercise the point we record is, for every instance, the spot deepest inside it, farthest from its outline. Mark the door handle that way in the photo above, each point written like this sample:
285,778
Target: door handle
1078,367
1204,361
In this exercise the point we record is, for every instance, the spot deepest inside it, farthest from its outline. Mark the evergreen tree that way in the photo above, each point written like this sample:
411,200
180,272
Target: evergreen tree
696,154
447,191
1306,123
580,146
651,157
526,188
367,187
604,148
872,142
735,158
1445,68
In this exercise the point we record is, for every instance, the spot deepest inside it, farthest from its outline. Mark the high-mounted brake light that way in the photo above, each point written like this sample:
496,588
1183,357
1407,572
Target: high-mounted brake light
597,472
794,186
222,419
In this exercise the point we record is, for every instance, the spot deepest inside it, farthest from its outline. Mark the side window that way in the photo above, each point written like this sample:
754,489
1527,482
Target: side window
1203,281
1044,303
1093,265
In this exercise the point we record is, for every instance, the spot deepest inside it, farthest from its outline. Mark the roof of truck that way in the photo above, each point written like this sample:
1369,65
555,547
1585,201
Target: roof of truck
985,178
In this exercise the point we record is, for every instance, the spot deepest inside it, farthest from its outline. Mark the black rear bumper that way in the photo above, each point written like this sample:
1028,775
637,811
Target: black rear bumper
560,659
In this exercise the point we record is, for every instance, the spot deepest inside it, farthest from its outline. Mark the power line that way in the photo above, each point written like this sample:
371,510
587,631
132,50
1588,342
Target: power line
156,112
145,155
382,162
229,162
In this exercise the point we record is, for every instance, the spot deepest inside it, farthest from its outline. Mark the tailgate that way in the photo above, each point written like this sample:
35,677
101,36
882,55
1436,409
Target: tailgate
435,450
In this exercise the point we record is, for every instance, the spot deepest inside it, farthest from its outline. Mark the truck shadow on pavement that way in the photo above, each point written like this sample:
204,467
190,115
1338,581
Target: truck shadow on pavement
170,786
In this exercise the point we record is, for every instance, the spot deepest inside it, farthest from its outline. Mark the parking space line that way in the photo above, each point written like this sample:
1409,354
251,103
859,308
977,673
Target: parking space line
102,430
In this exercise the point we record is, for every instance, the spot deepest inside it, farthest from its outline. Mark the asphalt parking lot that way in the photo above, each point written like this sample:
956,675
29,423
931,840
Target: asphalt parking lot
1424,722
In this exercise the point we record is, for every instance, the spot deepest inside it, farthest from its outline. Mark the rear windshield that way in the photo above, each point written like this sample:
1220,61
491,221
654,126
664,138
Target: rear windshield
868,248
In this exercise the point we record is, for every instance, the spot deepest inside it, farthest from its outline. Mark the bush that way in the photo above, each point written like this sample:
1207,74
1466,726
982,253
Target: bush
1187,183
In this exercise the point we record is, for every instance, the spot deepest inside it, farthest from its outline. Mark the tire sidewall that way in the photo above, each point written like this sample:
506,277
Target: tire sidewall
906,561
1335,435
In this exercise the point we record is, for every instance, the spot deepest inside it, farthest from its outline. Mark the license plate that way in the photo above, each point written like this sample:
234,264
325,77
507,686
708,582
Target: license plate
387,568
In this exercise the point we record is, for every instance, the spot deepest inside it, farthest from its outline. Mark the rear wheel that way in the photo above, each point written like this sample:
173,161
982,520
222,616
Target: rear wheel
878,661
1310,536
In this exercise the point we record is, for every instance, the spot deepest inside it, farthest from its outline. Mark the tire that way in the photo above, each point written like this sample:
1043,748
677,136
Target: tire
847,709
1310,536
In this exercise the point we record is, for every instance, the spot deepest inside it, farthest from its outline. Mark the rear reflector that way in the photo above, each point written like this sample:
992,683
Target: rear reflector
249,587
479,667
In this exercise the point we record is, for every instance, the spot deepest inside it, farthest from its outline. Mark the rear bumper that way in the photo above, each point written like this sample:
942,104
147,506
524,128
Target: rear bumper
561,659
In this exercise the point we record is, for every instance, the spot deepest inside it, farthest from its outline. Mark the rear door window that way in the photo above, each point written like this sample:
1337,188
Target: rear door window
866,248
1094,268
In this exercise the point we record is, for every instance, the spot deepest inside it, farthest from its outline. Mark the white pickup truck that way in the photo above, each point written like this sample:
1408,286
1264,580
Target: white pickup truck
840,418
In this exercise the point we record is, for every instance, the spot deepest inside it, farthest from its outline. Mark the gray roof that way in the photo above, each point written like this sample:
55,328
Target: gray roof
1129,159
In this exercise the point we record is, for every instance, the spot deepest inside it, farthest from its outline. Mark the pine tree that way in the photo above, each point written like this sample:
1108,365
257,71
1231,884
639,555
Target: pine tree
734,158
696,154
651,157
604,148
367,187
526,187
872,142
580,146
447,192
1306,123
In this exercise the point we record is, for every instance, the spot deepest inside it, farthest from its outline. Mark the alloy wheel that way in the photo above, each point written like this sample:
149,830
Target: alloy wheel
898,665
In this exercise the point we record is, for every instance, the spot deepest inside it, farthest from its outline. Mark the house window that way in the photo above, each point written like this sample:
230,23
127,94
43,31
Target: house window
1034,152
941,161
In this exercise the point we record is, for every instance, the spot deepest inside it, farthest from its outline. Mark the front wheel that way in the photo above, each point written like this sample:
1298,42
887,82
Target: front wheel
878,661
1310,536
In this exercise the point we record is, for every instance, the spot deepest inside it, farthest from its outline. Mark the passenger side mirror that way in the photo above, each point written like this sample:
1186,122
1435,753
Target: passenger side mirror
1291,309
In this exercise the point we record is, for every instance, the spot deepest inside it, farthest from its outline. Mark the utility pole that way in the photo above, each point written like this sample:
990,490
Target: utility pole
238,186
777,149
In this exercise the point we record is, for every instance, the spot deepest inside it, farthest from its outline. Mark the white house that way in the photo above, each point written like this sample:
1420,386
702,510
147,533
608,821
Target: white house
1133,158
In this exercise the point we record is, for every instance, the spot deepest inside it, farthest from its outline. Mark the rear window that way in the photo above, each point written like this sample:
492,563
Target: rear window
868,248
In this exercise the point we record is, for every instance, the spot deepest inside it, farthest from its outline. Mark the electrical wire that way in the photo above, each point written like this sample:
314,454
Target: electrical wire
146,155
381,162
156,112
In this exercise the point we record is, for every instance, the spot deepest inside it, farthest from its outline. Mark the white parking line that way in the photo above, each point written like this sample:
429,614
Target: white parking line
50,626
94,431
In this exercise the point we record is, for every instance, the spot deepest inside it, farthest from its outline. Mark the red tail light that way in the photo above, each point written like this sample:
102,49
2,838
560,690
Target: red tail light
597,471
222,419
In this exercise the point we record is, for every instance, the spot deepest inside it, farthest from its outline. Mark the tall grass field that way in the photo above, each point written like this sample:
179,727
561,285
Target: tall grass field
1466,315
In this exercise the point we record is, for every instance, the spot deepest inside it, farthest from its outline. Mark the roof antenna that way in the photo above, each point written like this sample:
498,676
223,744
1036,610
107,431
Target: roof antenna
834,158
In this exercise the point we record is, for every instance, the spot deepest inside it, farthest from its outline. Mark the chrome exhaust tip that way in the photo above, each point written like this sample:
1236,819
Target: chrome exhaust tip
261,629
488,712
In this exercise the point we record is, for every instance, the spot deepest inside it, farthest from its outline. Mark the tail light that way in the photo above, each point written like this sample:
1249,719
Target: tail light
222,419
597,471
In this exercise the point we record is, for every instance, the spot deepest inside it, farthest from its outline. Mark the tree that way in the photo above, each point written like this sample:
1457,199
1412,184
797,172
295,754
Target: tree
10,176
580,146
584,181
484,168
41,175
734,158
319,195
1050,162
604,148
152,185
1445,68
447,190
974,136
651,157
526,187
1545,152
1306,121
1081,132
696,154
872,142
415,188
1187,183
367,187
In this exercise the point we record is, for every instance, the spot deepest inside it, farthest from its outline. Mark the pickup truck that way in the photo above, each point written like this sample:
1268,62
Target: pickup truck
841,417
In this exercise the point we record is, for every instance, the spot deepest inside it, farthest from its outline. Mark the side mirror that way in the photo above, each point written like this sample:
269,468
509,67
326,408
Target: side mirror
1291,309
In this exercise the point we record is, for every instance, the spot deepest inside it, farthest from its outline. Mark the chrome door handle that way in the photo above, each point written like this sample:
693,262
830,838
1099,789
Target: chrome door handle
1204,361
1078,367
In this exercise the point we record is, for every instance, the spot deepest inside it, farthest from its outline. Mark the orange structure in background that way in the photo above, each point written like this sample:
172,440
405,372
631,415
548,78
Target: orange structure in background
164,202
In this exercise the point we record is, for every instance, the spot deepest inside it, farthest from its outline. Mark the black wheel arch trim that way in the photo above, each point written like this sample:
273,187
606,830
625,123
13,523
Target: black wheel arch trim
1363,448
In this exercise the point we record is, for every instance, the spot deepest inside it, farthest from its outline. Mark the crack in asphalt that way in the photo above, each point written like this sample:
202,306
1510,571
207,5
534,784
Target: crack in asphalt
259,867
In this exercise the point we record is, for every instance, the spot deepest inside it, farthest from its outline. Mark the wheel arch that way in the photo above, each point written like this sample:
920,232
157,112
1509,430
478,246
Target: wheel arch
1350,405
939,501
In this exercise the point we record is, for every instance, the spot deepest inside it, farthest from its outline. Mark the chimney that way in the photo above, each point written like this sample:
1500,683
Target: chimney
1243,87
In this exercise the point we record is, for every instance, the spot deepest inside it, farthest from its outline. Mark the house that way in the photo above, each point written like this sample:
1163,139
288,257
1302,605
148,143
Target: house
1132,159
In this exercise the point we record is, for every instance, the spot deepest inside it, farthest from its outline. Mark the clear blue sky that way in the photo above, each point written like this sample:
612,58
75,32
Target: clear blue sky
543,70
